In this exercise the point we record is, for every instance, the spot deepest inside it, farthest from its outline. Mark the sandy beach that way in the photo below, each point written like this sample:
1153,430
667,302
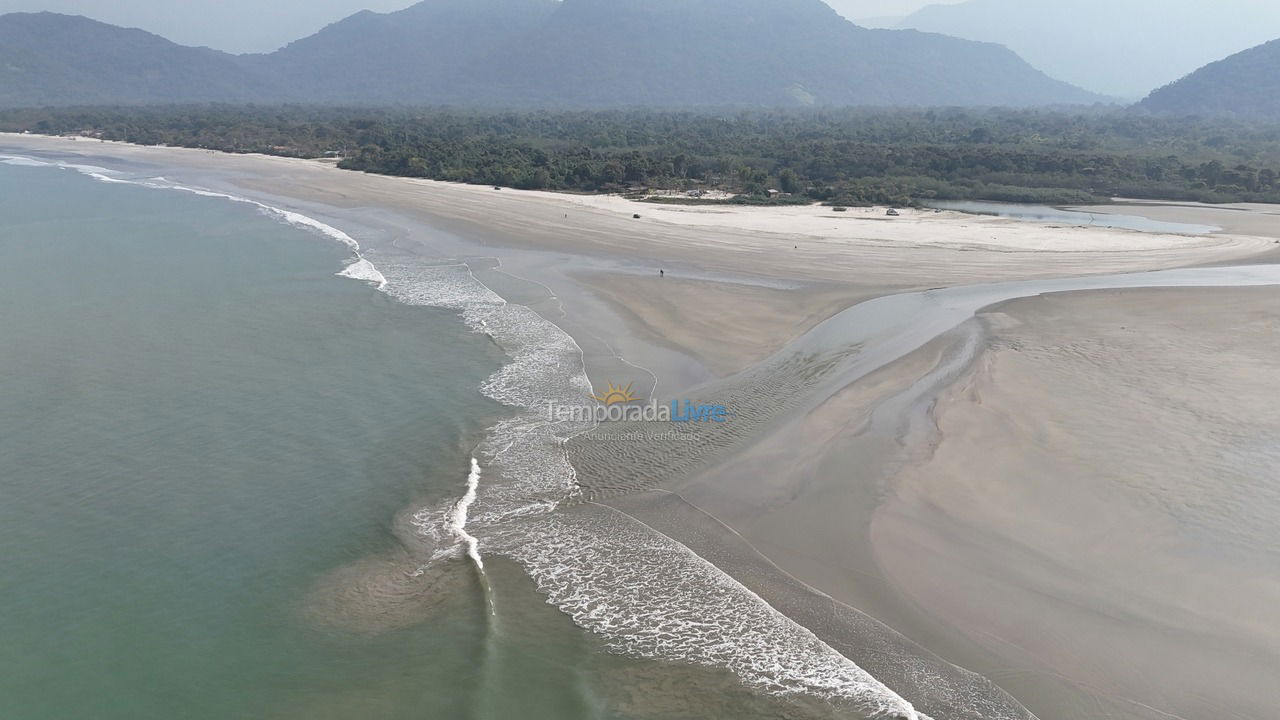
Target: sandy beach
1119,533
1063,507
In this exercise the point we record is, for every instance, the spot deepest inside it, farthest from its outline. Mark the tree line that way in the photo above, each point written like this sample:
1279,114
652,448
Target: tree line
836,156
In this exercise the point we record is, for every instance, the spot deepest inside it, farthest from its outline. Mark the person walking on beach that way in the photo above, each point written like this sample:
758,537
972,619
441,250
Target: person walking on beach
662,273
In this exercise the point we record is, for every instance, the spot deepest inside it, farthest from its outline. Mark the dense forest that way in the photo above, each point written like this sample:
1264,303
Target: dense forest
834,156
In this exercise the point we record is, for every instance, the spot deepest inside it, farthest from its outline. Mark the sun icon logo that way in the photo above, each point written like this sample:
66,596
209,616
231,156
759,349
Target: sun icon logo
616,395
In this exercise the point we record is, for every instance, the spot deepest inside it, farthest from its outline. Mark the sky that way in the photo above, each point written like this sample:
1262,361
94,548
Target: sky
1121,48
219,24
222,24
860,9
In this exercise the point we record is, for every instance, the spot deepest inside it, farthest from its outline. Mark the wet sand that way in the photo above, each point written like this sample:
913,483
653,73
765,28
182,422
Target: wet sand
986,536
1100,507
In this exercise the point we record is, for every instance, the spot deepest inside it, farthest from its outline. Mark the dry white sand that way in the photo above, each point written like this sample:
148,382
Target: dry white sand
812,243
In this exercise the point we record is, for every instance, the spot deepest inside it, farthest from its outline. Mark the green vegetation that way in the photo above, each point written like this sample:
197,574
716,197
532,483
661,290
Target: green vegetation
844,157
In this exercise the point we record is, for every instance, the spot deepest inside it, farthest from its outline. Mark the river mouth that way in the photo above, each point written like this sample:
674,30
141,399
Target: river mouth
1067,216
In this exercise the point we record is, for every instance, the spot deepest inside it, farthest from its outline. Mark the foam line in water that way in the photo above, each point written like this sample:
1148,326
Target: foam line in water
458,518
22,161
94,170
458,524
359,269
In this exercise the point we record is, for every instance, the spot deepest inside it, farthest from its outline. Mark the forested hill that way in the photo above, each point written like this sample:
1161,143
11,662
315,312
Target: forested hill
575,53
50,59
657,52
1246,84
439,51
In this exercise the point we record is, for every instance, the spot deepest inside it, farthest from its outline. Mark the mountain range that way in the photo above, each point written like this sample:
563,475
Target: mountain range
48,59
566,53
1121,48
235,26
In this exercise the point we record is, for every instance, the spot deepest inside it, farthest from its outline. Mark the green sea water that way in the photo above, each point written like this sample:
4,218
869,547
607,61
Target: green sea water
212,449
199,423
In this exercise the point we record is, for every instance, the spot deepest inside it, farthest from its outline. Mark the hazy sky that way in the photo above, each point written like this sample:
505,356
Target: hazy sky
231,25
856,9
225,24
1123,48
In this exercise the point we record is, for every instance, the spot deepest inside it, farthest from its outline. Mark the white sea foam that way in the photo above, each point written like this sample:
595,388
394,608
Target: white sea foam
362,269
98,173
22,161
645,593
651,596
458,517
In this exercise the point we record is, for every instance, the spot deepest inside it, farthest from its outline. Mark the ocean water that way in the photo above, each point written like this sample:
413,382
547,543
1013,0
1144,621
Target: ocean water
199,425
248,471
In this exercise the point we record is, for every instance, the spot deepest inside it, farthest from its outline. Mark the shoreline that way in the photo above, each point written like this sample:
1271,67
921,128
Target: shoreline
777,656
727,269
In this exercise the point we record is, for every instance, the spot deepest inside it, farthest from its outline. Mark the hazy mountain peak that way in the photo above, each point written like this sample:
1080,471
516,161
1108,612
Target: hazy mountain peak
584,53
1123,48
1246,84
48,58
